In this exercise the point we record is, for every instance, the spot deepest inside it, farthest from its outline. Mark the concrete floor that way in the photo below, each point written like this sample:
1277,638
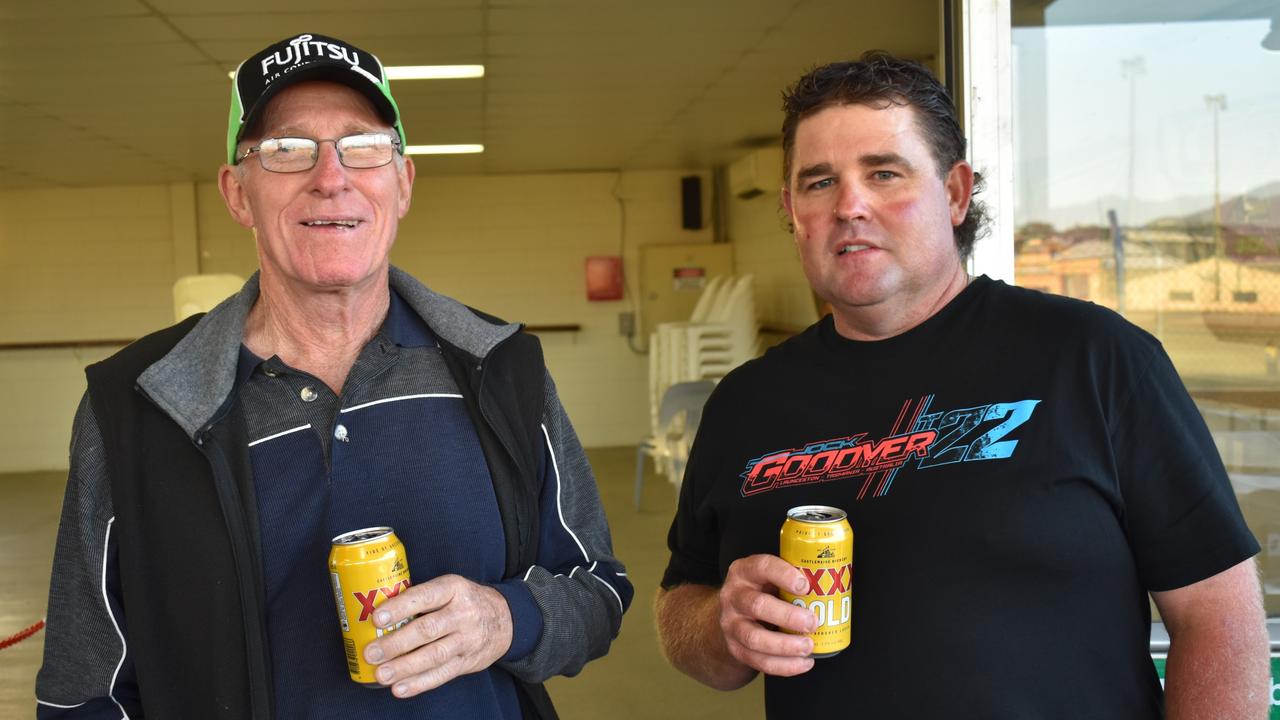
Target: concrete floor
29,507
633,681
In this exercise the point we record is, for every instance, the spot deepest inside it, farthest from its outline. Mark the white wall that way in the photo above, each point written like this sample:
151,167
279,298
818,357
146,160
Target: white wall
515,246
97,263
75,264
84,263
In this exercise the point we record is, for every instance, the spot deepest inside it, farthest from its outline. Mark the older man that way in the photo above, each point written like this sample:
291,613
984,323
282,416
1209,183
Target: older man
1057,474
212,462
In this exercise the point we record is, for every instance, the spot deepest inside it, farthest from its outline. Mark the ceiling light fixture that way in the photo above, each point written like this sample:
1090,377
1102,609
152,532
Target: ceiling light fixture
443,149
434,72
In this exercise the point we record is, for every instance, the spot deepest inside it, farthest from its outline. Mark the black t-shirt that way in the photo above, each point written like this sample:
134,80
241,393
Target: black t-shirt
1019,471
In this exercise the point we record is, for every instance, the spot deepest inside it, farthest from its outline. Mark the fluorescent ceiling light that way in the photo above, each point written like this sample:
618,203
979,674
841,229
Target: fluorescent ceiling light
433,72
442,149
423,72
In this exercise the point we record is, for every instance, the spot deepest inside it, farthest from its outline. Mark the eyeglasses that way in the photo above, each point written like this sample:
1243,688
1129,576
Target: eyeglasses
293,154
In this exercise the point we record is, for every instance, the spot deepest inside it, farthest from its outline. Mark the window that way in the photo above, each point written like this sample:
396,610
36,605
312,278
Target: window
1147,179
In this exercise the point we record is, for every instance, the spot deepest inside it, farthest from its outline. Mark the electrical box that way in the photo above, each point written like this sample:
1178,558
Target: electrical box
672,278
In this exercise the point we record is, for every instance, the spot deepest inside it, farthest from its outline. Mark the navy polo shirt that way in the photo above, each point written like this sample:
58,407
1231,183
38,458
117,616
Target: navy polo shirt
396,448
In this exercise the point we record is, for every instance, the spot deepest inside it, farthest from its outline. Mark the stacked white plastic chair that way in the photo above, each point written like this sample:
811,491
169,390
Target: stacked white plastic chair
729,337
685,361
664,353
721,335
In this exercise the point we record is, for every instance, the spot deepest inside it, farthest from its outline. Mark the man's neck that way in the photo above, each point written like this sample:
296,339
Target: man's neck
320,333
897,315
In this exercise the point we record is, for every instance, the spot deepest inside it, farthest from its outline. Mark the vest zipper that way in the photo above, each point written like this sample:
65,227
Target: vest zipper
242,558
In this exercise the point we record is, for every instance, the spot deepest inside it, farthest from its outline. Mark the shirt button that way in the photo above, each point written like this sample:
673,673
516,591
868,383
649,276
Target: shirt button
308,394
340,433
269,372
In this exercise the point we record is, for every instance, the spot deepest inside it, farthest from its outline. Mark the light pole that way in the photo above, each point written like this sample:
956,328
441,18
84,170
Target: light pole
1216,104
1130,69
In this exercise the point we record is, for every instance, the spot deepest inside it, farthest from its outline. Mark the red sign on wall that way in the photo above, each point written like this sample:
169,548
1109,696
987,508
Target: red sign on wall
604,278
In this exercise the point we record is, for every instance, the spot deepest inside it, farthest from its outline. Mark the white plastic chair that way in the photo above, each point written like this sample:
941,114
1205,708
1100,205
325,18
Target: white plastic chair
694,355
678,418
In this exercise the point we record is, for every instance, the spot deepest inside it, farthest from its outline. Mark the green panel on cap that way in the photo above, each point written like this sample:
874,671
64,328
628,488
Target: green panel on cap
385,87
233,123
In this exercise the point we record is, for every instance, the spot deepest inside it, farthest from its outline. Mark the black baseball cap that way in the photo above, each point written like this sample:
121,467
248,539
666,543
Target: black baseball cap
299,59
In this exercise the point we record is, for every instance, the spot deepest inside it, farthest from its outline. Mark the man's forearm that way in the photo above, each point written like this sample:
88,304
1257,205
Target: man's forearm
1218,664
1219,675
688,619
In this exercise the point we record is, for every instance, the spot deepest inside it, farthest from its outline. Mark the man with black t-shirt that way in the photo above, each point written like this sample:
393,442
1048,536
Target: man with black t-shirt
1003,568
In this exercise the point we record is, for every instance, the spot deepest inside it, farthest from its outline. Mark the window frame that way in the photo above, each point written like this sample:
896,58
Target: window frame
983,48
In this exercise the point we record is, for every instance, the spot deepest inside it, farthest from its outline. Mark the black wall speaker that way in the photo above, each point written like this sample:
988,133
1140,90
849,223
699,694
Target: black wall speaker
691,202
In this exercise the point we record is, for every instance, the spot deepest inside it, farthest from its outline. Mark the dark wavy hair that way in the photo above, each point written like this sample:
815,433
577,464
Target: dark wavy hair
879,79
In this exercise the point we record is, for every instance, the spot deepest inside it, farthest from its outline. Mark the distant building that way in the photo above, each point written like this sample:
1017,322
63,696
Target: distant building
1086,269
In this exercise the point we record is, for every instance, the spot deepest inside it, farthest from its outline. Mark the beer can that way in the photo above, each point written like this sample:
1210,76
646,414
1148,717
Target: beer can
367,567
818,541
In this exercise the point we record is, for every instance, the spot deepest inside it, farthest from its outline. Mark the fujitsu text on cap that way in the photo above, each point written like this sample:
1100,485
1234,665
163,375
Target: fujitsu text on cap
302,58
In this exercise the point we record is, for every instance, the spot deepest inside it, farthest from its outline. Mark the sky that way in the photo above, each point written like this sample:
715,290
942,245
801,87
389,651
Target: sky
1072,98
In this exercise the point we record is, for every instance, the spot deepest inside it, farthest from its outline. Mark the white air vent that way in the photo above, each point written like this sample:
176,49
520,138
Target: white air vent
758,173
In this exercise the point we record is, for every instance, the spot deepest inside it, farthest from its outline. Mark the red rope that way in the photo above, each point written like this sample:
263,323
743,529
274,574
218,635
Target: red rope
22,635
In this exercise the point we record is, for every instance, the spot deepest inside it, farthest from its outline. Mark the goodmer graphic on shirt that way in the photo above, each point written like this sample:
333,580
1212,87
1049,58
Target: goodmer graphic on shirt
918,438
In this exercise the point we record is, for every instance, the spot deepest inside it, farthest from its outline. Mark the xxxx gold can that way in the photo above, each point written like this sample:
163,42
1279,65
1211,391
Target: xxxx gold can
817,539
367,567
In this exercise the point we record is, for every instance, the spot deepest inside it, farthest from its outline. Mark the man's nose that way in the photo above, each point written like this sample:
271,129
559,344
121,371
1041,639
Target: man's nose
851,202
329,175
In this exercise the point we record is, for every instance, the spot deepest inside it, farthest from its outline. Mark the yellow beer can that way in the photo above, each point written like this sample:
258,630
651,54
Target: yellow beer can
367,567
817,539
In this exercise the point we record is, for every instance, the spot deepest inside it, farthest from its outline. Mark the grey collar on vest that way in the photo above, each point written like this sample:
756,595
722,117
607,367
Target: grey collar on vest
193,380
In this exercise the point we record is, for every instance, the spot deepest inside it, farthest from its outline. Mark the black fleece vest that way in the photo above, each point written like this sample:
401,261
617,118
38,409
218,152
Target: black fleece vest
187,538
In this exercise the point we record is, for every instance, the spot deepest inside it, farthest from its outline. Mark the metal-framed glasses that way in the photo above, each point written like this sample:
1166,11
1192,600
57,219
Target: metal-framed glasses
295,154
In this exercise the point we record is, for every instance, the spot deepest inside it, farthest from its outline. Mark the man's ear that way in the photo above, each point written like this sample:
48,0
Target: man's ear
234,195
959,184
406,185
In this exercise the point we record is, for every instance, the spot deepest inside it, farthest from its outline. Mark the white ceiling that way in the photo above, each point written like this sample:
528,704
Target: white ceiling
97,92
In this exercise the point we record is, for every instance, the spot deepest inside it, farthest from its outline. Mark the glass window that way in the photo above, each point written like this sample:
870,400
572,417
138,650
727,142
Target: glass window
1147,143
